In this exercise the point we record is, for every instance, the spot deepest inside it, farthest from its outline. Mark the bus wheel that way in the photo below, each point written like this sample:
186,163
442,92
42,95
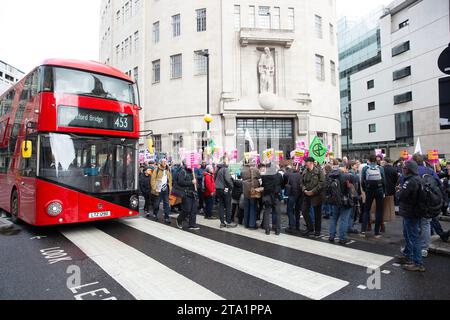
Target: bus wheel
15,207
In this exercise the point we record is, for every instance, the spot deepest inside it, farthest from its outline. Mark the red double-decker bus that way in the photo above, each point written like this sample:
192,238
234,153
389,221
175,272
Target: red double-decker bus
69,136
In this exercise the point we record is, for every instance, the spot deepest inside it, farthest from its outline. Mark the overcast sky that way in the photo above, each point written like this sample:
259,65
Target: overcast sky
33,30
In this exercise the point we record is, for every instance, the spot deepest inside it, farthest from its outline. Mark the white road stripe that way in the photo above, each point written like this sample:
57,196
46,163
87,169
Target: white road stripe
340,253
307,283
141,276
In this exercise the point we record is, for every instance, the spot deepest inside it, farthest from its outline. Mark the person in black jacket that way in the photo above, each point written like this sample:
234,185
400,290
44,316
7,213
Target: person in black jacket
238,189
224,187
293,190
144,188
272,182
187,181
408,193
392,177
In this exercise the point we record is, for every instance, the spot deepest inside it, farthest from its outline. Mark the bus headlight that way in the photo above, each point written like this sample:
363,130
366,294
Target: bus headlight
54,209
134,202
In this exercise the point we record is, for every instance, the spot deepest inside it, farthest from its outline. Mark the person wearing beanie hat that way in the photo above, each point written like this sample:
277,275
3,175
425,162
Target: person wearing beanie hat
412,255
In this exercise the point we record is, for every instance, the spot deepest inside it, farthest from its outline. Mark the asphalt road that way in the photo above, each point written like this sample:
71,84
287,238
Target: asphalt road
142,259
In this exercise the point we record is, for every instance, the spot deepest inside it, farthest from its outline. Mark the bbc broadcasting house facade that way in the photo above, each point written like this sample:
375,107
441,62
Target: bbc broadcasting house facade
157,42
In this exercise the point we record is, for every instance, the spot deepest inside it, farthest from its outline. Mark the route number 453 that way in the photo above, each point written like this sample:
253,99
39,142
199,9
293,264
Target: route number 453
121,123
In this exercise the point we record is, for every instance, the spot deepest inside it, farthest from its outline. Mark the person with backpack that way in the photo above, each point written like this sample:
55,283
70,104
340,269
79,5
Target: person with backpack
224,187
313,179
433,200
251,177
374,185
209,191
411,260
340,194
161,189
187,181
199,173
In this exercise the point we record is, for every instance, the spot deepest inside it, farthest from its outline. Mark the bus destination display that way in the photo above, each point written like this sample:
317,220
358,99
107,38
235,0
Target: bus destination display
96,119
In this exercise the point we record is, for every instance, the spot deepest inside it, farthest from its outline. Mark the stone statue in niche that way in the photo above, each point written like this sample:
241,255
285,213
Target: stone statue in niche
266,68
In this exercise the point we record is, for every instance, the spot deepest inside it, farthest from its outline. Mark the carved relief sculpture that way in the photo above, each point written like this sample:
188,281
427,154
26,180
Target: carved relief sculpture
266,68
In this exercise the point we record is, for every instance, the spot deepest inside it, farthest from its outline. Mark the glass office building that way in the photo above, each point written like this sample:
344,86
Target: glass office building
359,48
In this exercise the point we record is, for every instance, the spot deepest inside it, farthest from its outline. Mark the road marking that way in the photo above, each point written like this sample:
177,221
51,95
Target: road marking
307,283
362,287
140,275
352,256
396,265
386,272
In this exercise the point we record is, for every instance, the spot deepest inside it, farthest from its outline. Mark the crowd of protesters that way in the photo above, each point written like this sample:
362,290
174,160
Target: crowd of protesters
358,197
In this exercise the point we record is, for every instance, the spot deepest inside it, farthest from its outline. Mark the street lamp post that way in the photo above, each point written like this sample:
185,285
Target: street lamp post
347,117
205,53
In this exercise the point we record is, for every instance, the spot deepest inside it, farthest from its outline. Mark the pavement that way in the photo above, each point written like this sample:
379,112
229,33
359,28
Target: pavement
393,235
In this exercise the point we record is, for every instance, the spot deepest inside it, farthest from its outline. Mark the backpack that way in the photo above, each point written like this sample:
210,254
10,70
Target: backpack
373,176
333,190
430,199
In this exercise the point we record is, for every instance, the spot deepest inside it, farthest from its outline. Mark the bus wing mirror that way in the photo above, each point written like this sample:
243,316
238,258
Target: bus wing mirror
27,149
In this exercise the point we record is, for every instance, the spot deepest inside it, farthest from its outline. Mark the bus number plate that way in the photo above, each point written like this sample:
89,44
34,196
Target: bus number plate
94,215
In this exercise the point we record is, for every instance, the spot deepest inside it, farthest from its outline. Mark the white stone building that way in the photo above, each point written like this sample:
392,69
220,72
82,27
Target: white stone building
397,101
158,41
8,76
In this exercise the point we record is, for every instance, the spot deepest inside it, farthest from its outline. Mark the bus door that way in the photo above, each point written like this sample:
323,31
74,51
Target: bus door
27,184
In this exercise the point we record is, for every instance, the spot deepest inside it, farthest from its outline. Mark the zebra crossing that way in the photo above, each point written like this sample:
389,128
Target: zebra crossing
137,254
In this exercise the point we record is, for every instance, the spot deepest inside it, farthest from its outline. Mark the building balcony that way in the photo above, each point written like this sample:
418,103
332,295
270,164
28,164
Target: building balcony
267,37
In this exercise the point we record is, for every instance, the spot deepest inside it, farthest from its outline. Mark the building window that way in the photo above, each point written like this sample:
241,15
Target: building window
127,10
402,73
237,17
118,52
157,143
156,32
372,128
276,18
331,34
320,70
136,74
370,84
136,42
404,127
371,106
137,4
264,17
126,46
156,71
403,24
201,20
176,67
401,48
291,19
118,16
176,25
333,72
251,17
318,22
200,62
402,98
